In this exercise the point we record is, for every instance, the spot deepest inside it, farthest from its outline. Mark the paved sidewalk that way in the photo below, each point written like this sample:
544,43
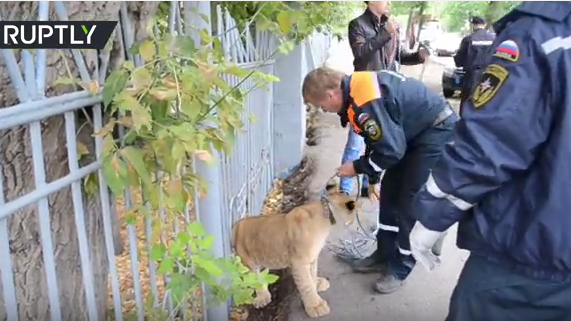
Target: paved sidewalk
351,297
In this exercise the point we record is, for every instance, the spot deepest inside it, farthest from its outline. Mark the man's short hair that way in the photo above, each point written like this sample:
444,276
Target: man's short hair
320,80
477,20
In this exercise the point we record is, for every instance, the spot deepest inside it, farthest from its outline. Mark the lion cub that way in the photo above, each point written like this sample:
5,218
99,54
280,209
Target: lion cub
294,240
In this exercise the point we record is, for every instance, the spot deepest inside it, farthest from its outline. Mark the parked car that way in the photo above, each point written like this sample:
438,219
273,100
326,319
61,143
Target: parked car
452,78
447,44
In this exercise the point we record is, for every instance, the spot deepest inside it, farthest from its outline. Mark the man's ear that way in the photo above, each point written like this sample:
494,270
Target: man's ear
350,205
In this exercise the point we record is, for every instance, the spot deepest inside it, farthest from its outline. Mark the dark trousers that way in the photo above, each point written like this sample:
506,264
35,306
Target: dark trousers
398,187
486,291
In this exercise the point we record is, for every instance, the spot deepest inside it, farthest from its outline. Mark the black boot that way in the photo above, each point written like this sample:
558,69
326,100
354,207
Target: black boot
370,264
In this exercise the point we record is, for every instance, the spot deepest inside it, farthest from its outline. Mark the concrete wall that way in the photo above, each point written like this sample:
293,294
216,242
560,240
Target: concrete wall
289,111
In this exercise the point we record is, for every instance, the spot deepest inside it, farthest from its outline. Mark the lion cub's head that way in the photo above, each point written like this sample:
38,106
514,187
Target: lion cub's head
343,206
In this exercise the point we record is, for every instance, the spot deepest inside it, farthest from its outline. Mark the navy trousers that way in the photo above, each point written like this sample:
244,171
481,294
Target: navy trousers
487,291
398,187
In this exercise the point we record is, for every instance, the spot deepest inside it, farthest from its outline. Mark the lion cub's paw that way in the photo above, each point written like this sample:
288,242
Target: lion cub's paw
262,299
318,310
321,284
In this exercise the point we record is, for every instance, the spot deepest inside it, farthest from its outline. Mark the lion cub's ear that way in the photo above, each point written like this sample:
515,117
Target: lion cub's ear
331,186
350,205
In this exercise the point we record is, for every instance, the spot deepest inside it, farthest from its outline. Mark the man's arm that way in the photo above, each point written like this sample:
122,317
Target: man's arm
386,139
411,58
364,48
506,120
462,53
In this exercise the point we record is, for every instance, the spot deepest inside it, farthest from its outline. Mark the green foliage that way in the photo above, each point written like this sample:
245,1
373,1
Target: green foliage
297,19
177,106
188,262
457,13
403,7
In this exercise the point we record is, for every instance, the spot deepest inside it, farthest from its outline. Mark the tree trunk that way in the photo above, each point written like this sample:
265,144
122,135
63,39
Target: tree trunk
410,29
18,180
421,10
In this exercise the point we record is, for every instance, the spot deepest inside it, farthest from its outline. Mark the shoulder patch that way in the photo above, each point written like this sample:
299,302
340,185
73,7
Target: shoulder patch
364,87
373,129
362,118
507,50
491,80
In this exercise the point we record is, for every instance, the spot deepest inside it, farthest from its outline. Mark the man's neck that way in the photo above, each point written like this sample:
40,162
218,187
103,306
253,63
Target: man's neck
375,14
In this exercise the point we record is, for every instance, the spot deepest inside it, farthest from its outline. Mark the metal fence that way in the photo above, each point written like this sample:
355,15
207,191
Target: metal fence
237,185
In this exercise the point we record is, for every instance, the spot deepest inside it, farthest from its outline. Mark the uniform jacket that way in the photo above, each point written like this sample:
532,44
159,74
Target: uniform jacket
368,40
507,177
472,55
389,110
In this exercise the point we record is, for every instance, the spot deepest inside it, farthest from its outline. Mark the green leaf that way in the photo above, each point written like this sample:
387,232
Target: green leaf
176,249
252,117
157,252
139,114
147,50
112,178
208,241
196,229
91,183
233,69
114,84
207,265
134,156
166,265
141,78
284,22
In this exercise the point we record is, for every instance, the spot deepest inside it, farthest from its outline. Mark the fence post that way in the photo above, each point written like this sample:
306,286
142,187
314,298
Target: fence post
208,207
289,110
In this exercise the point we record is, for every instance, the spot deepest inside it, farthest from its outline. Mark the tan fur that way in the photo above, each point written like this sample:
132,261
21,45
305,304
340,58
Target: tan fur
293,240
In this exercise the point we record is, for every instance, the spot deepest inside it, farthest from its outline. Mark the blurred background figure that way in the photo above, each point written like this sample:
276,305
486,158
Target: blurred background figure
472,54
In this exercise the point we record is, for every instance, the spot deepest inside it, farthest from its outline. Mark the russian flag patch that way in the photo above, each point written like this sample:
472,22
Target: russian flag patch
507,50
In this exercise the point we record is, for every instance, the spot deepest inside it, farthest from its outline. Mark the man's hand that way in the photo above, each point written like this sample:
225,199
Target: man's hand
390,25
422,241
373,192
423,53
346,170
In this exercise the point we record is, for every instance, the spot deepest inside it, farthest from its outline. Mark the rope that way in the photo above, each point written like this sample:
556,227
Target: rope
354,247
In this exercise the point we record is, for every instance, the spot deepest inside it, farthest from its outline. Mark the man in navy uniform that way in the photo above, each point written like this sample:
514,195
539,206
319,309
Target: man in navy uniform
506,179
471,55
405,127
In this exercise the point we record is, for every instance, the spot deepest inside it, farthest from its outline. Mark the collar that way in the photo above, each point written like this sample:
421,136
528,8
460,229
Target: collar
345,89
373,17
327,210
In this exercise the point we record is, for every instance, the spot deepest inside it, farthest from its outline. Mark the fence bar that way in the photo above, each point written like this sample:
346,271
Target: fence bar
152,264
106,211
15,74
80,217
77,56
29,73
18,118
43,15
8,290
31,106
46,190
44,220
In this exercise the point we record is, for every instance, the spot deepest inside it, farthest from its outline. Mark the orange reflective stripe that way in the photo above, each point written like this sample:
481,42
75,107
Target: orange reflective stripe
351,116
364,87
